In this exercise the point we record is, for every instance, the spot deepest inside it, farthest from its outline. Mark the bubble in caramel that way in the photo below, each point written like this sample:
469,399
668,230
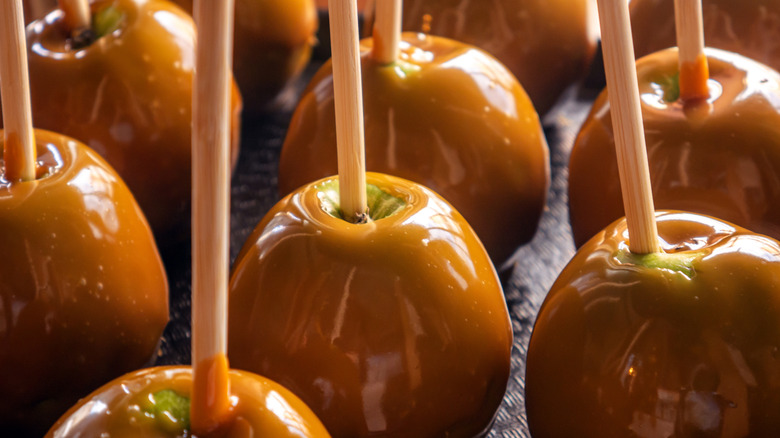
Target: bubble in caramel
720,157
397,327
83,292
445,115
682,343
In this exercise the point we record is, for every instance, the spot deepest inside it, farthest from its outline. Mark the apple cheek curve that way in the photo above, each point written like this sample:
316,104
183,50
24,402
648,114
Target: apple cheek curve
397,326
721,159
128,96
482,148
622,347
547,44
83,292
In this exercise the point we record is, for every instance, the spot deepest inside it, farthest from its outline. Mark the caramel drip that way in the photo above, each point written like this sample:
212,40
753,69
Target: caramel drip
13,153
210,404
693,79
20,153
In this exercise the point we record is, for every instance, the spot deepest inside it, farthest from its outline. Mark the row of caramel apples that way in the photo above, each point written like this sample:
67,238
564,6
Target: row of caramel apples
449,260
431,64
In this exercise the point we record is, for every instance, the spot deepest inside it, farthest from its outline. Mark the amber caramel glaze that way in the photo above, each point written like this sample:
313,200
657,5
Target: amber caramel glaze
83,293
33,7
547,44
624,350
272,44
259,408
748,27
720,158
447,116
210,402
129,97
396,328
694,79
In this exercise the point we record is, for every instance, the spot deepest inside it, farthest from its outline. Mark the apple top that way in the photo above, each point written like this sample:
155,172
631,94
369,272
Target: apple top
446,115
155,403
720,159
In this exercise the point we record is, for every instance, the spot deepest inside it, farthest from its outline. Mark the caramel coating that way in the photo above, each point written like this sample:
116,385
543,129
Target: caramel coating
547,44
447,116
129,97
620,349
395,328
35,9
261,408
272,44
83,292
720,159
748,27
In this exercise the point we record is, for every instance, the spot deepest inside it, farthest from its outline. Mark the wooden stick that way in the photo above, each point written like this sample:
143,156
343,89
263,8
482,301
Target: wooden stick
348,96
387,31
77,16
19,151
210,212
623,92
694,70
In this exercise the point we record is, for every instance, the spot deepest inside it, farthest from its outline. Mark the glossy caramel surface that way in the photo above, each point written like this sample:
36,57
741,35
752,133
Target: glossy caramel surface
547,44
396,328
272,45
624,350
35,9
128,96
748,27
83,292
447,116
721,158
259,408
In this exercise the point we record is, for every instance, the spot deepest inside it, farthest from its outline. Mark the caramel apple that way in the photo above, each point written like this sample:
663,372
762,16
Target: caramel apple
685,342
273,41
748,27
720,158
663,324
445,115
128,95
83,292
207,400
397,327
547,44
155,403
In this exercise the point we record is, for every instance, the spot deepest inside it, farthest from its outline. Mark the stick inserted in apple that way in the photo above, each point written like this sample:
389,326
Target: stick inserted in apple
369,296
674,333
83,292
443,114
206,400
